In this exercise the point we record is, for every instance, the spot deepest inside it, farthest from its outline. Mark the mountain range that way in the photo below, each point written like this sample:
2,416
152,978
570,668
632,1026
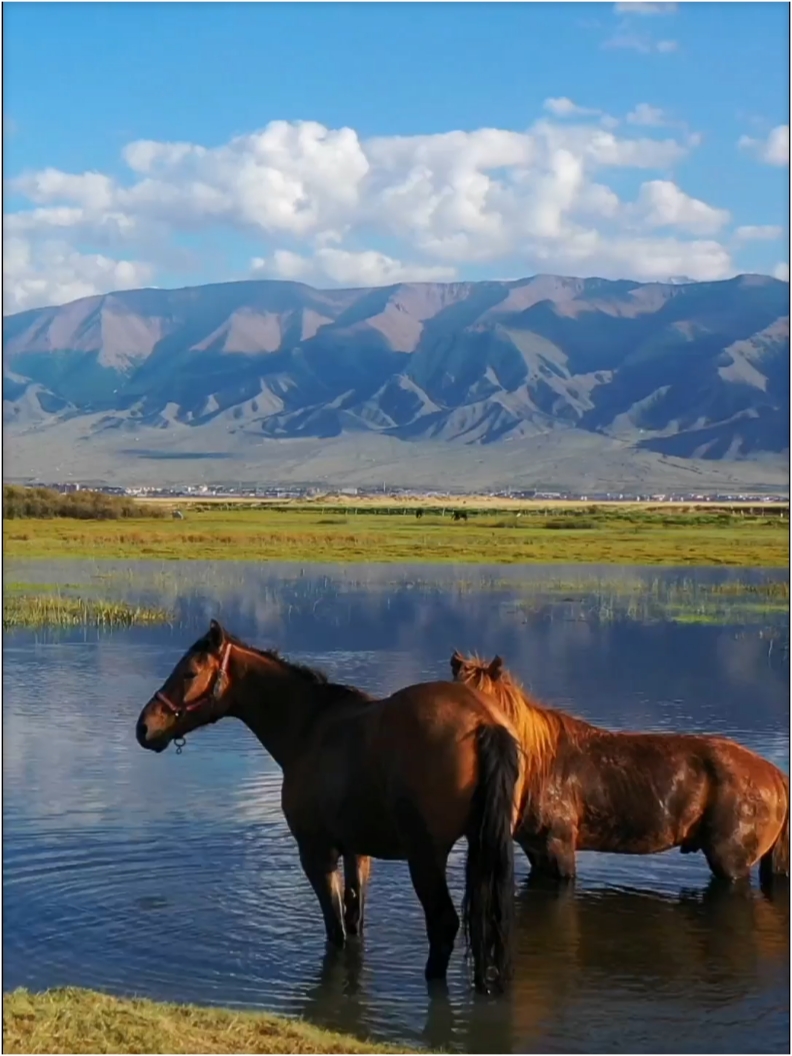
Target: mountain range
239,378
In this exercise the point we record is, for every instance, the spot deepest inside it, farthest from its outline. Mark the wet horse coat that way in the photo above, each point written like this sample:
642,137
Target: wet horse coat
591,789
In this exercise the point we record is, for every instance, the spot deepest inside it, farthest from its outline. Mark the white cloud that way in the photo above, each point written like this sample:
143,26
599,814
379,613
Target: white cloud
324,205
563,107
758,232
629,37
54,273
638,8
781,271
346,268
644,45
773,151
776,150
647,259
644,114
662,204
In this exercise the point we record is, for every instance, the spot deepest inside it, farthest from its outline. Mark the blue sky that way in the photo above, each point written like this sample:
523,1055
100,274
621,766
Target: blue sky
357,144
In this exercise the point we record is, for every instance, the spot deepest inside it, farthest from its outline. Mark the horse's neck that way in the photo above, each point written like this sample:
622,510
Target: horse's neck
274,704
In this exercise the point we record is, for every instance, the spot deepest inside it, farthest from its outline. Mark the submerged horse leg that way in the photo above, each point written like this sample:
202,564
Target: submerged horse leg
730,846
559,851
729,860
356,875
442,922
552,857
321,869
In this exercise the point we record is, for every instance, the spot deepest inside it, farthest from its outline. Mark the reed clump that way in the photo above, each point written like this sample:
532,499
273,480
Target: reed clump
37,503
56,610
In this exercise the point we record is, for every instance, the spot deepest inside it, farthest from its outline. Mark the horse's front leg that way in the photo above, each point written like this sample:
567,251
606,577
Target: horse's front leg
560,850
356,875
553,856
320,865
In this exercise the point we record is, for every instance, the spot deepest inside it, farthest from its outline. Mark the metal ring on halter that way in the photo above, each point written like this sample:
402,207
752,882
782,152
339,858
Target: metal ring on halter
180,742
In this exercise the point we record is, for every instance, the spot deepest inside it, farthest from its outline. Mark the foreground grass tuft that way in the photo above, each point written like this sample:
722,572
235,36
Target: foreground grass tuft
72,1020
53,610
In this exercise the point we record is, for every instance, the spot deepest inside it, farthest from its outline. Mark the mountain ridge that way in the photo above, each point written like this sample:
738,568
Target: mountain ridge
686,370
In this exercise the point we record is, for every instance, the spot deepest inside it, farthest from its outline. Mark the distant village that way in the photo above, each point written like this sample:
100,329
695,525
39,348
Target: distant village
312,492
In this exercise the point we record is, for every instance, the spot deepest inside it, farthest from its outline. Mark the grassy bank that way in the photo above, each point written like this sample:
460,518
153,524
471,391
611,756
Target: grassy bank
607,535
56,610
72,1020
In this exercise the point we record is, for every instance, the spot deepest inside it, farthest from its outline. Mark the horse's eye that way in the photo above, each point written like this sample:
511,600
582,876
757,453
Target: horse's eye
190,676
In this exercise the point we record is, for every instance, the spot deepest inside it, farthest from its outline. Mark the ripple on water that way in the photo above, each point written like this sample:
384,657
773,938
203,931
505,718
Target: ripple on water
178,879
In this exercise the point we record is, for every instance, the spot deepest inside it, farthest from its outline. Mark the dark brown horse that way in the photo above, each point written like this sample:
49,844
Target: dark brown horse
400,778
590,789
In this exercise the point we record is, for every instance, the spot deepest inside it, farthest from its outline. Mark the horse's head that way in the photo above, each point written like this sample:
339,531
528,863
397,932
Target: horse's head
473,671
195,693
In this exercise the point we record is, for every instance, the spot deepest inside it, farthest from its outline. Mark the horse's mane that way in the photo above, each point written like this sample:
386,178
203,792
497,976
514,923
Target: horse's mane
538,727
332,692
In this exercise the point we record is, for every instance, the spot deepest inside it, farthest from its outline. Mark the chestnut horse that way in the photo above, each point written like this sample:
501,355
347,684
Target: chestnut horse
590,789
399,778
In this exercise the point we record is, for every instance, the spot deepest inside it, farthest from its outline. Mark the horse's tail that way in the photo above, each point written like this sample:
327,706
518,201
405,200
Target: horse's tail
488,905
774,863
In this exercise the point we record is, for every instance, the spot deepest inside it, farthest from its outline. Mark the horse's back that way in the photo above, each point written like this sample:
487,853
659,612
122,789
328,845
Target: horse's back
424,746
445,705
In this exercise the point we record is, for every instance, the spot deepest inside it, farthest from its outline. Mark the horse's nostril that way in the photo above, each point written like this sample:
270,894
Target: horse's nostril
142,731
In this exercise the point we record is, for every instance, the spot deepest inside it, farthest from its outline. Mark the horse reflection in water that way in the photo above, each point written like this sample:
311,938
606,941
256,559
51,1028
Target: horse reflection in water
614,960
628,954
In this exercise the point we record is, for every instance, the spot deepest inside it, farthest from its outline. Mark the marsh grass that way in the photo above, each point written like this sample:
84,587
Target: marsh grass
683,600
327,534
57,610
36,503
72,1020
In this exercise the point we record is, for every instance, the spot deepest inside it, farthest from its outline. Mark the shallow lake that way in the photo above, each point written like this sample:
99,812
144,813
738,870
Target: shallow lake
176,878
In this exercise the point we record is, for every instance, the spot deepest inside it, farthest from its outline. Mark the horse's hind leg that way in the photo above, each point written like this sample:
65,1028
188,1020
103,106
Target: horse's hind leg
733,835
356,875
320,866
729,860
730,857
442,922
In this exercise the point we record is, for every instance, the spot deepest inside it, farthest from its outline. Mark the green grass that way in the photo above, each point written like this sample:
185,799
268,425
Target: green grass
310,534
56,610
71,1020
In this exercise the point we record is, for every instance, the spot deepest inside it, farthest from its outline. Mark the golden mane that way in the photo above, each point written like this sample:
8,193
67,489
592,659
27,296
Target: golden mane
538,727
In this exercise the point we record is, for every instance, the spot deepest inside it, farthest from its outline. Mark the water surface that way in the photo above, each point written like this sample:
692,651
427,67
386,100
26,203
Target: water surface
176,878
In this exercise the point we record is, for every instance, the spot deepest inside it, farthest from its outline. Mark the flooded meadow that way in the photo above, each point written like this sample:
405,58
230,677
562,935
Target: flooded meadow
174,877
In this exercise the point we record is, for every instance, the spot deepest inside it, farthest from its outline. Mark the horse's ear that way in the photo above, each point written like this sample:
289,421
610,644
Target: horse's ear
456,663
216,636
495,668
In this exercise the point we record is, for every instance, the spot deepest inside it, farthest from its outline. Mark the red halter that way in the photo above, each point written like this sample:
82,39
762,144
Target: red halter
220,682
